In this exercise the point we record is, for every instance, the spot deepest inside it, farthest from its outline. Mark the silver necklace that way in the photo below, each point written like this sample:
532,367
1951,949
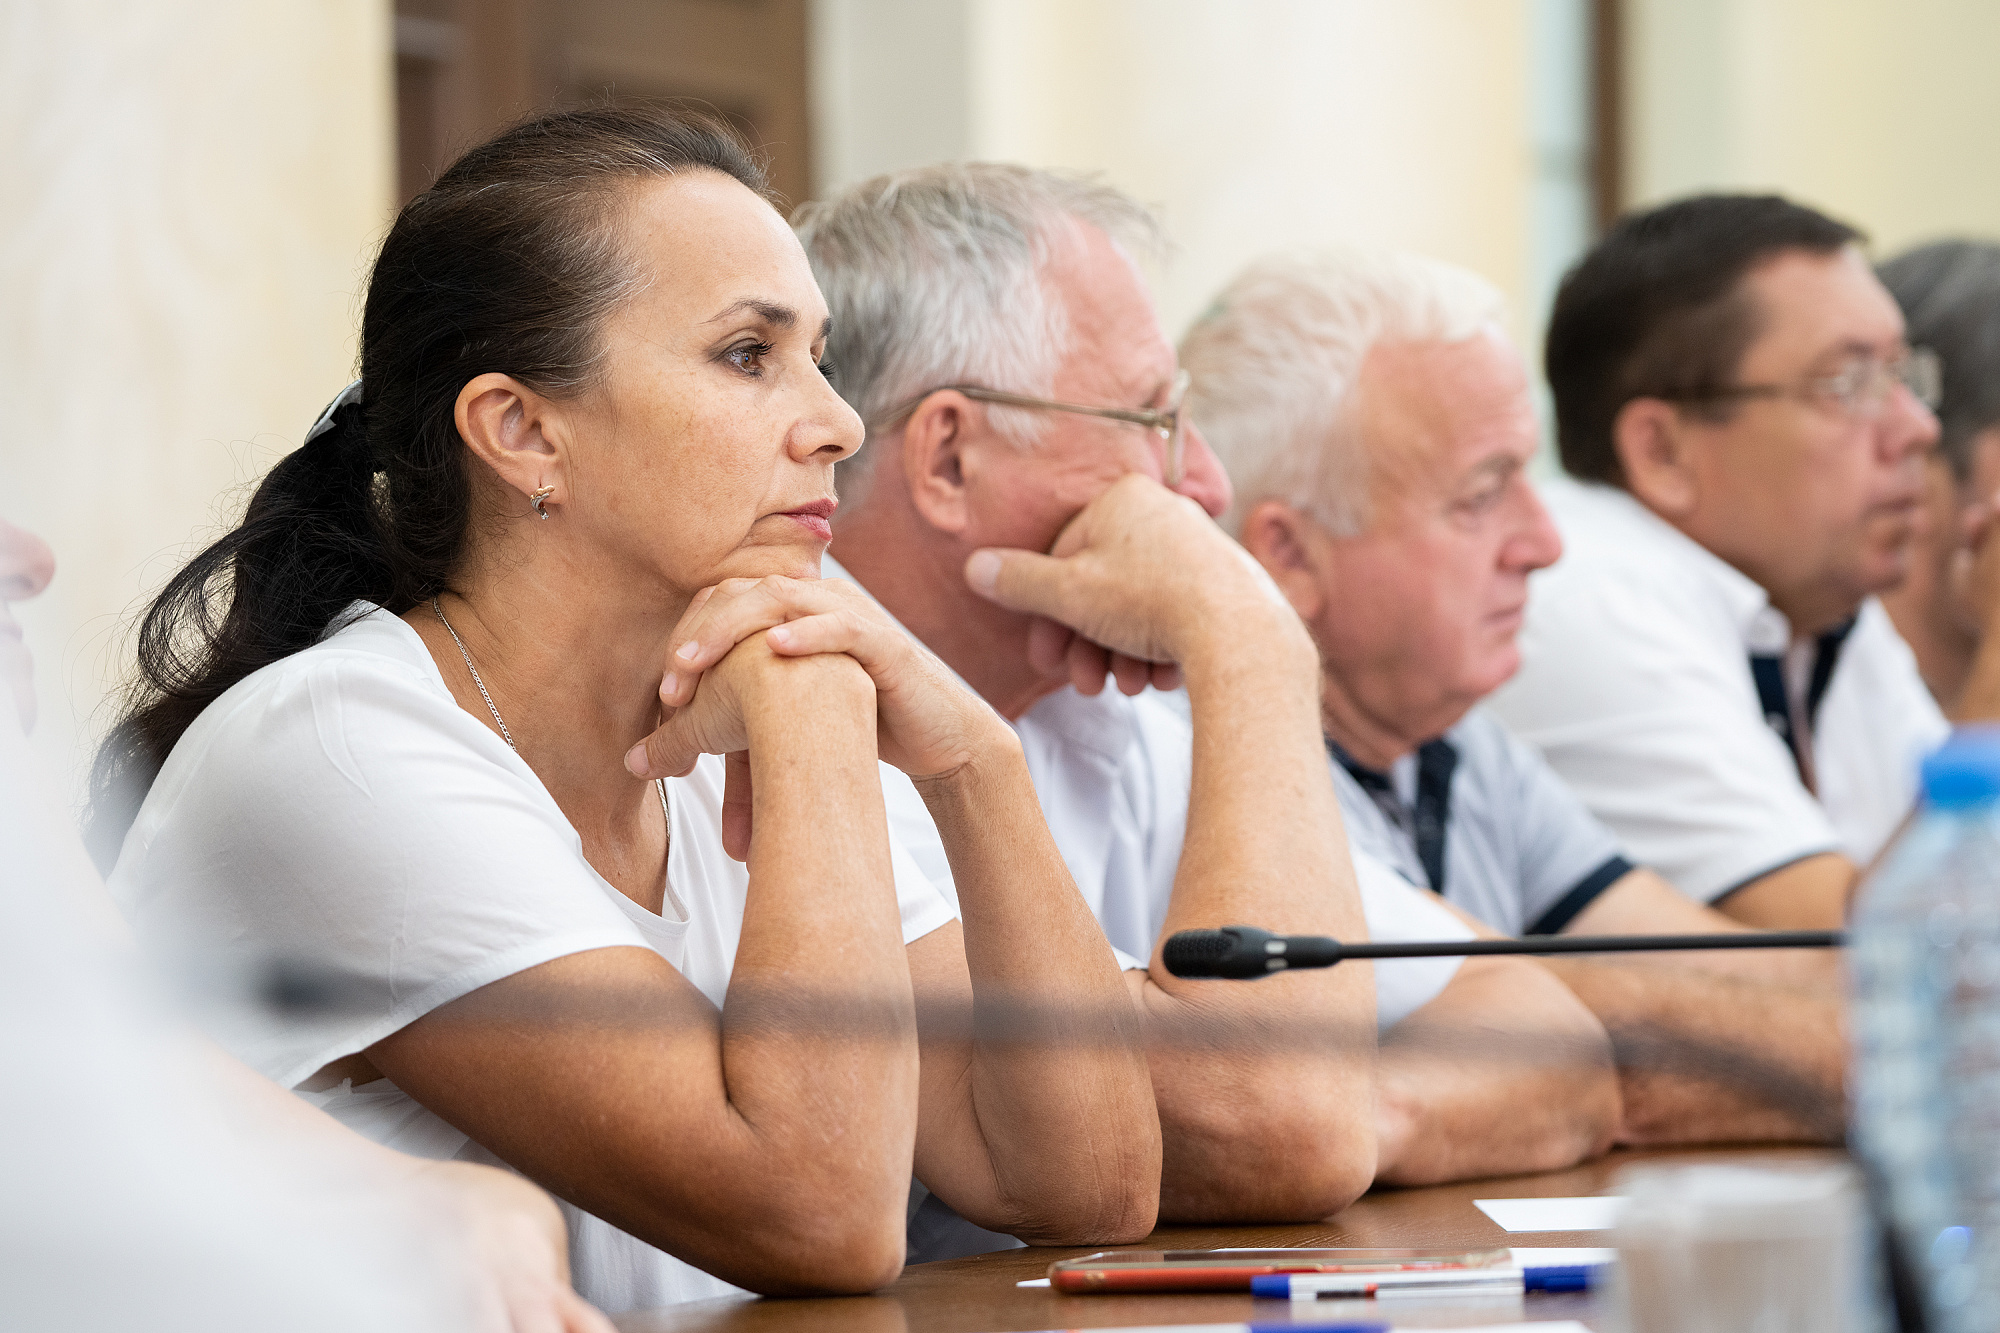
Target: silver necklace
500,722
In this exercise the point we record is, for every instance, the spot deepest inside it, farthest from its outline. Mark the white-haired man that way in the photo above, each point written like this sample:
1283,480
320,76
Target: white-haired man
1379,429
993,331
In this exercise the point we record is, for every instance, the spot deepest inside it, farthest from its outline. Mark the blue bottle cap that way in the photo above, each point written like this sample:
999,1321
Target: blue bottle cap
1965,770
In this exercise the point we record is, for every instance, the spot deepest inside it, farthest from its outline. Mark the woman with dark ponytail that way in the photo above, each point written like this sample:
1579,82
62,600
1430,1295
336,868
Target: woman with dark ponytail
418,720
308,547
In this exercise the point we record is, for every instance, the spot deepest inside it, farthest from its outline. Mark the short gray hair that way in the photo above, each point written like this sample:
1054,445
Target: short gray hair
932,278
1277,356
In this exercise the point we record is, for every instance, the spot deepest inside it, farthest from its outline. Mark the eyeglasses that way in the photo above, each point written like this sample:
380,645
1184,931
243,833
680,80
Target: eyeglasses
1858,391
1169,421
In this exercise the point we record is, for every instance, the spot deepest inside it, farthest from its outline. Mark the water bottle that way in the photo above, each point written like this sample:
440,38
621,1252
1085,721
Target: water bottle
1925,969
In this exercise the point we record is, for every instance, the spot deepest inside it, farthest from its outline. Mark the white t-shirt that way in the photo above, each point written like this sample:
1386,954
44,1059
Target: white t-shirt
340,807
1636,684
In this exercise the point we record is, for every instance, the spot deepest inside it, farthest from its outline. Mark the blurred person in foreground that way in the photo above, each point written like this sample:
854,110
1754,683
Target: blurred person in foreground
1708,667
1948,609
1377,427
152,1181
994,332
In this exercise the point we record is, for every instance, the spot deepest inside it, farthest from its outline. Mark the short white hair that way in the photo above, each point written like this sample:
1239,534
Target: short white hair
932,277
1277,358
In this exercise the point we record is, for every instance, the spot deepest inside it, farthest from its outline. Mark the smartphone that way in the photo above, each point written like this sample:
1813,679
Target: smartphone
1231,1270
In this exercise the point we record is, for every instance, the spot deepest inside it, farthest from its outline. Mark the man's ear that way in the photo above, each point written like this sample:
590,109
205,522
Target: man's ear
516,432
933,455
1655,448
1984,481
1293,551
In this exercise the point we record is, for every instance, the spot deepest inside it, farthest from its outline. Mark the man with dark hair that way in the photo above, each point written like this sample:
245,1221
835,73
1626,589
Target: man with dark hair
1708,667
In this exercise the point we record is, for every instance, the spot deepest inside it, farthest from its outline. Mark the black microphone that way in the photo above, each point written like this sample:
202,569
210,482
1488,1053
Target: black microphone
1244,952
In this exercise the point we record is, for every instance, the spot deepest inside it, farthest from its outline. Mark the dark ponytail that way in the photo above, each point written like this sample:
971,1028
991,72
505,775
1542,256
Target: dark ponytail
510,264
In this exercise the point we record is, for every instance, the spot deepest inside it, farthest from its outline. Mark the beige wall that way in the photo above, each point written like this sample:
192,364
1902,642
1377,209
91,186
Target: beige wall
192,191
888,86
1254,124
1274,123
1882,114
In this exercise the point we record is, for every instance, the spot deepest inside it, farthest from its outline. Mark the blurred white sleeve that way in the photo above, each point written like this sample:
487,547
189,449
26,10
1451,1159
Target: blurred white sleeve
133,1196
1399,912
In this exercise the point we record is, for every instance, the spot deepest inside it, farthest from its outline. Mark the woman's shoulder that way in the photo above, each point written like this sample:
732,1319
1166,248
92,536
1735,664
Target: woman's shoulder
343,772
365,649
368,658
338,718
364,640
339,806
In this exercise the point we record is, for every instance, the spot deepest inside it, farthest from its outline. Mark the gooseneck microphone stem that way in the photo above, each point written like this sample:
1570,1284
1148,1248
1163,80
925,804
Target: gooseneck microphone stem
1244,952
1735,939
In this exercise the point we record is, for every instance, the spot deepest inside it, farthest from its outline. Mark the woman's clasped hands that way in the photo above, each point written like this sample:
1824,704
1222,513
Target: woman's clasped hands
745,642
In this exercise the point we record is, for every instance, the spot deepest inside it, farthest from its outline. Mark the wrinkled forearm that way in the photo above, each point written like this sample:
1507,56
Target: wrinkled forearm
1705,1058
1264,1120
1058,1092
1504,1072
1265,1090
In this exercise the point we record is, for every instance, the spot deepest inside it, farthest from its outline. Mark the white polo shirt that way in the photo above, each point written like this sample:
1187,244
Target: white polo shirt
1113,774
1636,684
1517,850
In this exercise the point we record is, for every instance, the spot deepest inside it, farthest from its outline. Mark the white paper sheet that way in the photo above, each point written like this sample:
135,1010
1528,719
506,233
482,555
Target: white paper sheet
1558,1256
1546,1326
1595,1212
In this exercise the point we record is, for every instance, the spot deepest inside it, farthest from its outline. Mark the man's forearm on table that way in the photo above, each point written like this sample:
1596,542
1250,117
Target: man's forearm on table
1264,833
1265,1090
1704,1058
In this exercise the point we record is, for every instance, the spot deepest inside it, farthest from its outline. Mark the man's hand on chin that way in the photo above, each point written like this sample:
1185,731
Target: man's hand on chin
1140,581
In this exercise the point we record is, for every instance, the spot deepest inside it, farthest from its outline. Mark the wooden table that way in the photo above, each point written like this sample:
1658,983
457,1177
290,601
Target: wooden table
978,1295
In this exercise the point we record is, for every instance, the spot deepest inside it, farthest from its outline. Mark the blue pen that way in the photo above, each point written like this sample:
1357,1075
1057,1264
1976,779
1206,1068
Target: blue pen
1564,1277
1310,1286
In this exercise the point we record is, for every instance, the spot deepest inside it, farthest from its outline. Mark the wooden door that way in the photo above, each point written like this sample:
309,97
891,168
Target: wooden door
466,68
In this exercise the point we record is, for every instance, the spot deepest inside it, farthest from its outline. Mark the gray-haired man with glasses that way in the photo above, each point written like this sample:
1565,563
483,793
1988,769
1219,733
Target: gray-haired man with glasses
995,334
1165,420
1747,429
